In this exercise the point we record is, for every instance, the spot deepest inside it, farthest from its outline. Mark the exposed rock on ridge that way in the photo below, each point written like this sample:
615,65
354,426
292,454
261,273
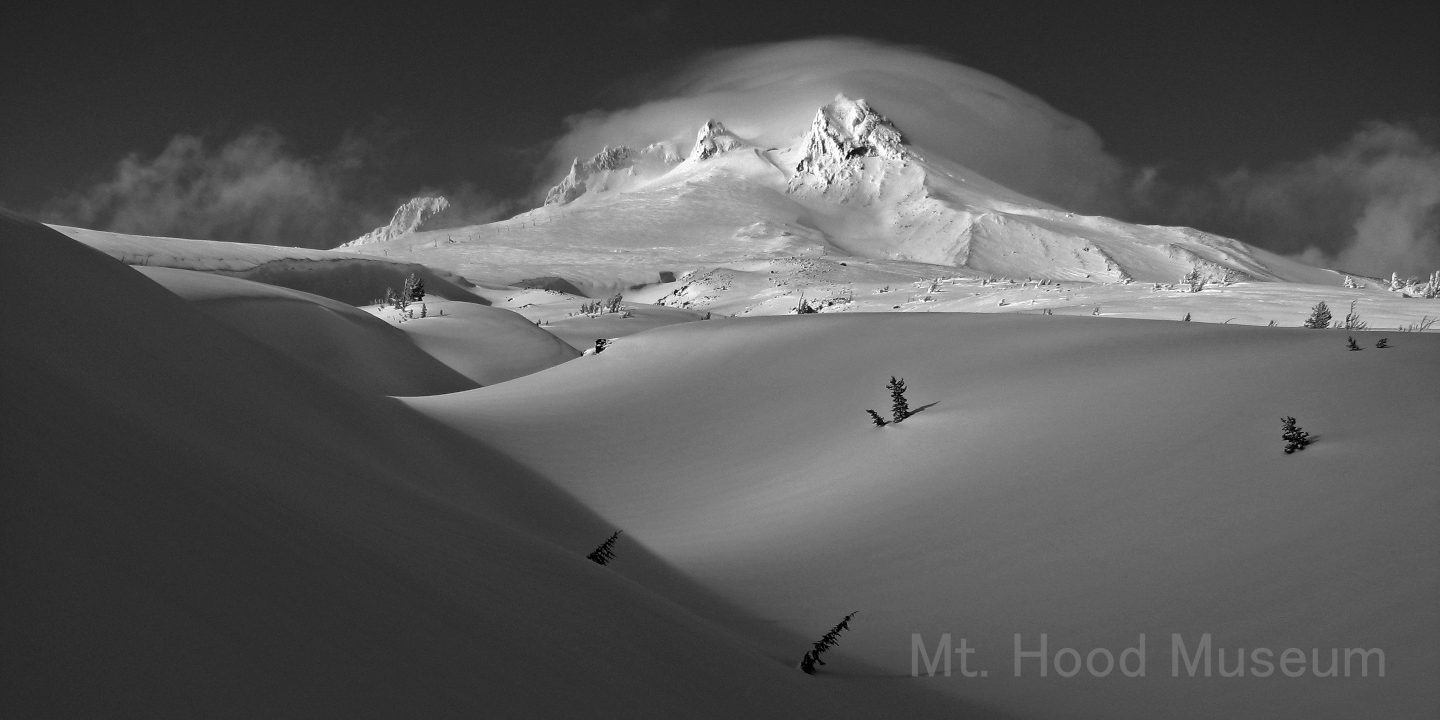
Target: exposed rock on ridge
713,139
407,219
843,133
606,162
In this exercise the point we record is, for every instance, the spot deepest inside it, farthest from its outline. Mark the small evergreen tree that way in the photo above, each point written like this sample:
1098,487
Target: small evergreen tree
1193,279
612,304
830,639
1382,343
899,406
1187,317
1352,319
1352,345
1319,317
424,311
879,421
414,287
1295,438
606,552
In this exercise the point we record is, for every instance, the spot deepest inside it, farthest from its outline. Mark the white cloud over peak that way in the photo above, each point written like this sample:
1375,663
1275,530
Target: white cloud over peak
769,94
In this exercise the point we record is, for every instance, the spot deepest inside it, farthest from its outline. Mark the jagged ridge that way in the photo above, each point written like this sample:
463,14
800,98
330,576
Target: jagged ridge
407,219
843,133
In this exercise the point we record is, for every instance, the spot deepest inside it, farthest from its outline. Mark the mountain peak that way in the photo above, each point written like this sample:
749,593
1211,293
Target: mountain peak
713,139
408,217
843,133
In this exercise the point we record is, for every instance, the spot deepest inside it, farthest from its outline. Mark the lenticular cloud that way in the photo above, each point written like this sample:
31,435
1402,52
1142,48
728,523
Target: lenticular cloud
769,93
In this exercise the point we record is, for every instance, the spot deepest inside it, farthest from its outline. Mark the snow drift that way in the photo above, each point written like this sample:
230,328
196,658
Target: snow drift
194,524
1087,479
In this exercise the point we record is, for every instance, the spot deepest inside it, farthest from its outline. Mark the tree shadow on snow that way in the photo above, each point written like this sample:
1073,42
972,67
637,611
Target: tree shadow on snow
922,408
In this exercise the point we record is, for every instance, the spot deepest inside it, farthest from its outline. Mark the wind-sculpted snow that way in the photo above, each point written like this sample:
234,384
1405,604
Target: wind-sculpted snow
365,353
1089,479
195,525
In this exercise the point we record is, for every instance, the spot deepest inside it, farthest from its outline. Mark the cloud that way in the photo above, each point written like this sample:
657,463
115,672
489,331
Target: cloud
251,188
469,205
1369,206
769,94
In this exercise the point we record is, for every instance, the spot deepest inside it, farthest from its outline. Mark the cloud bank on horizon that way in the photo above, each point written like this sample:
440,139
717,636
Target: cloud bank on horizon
253,188
1371,205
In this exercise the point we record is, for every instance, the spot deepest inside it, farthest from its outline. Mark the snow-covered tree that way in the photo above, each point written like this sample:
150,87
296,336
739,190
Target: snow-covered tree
414,287
1351,344
829,640
612,304
1319,316
1193,280
1352,319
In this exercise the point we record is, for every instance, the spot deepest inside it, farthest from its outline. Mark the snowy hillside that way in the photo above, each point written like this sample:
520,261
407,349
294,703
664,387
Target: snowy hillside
210,505
347,277
407,219
197,525
261,481
1093,480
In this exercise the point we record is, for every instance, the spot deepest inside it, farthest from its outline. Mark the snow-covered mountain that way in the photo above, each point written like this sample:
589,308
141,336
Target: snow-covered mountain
850,188
612,169
407,219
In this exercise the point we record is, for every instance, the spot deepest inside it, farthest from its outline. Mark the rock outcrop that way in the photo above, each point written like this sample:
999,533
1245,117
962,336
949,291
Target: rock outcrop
843,134
407,219
713,139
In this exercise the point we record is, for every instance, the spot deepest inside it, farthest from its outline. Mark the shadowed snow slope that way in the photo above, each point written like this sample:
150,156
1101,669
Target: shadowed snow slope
486,344
363,352
349,278
1088,479
196,526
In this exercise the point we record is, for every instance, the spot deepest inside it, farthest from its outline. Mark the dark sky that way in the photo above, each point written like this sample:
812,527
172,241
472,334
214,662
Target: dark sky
473,93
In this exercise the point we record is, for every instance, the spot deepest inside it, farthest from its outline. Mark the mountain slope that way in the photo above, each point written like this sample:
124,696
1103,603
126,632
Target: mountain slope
850,186
345,276
194,525
1087,479
329,337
